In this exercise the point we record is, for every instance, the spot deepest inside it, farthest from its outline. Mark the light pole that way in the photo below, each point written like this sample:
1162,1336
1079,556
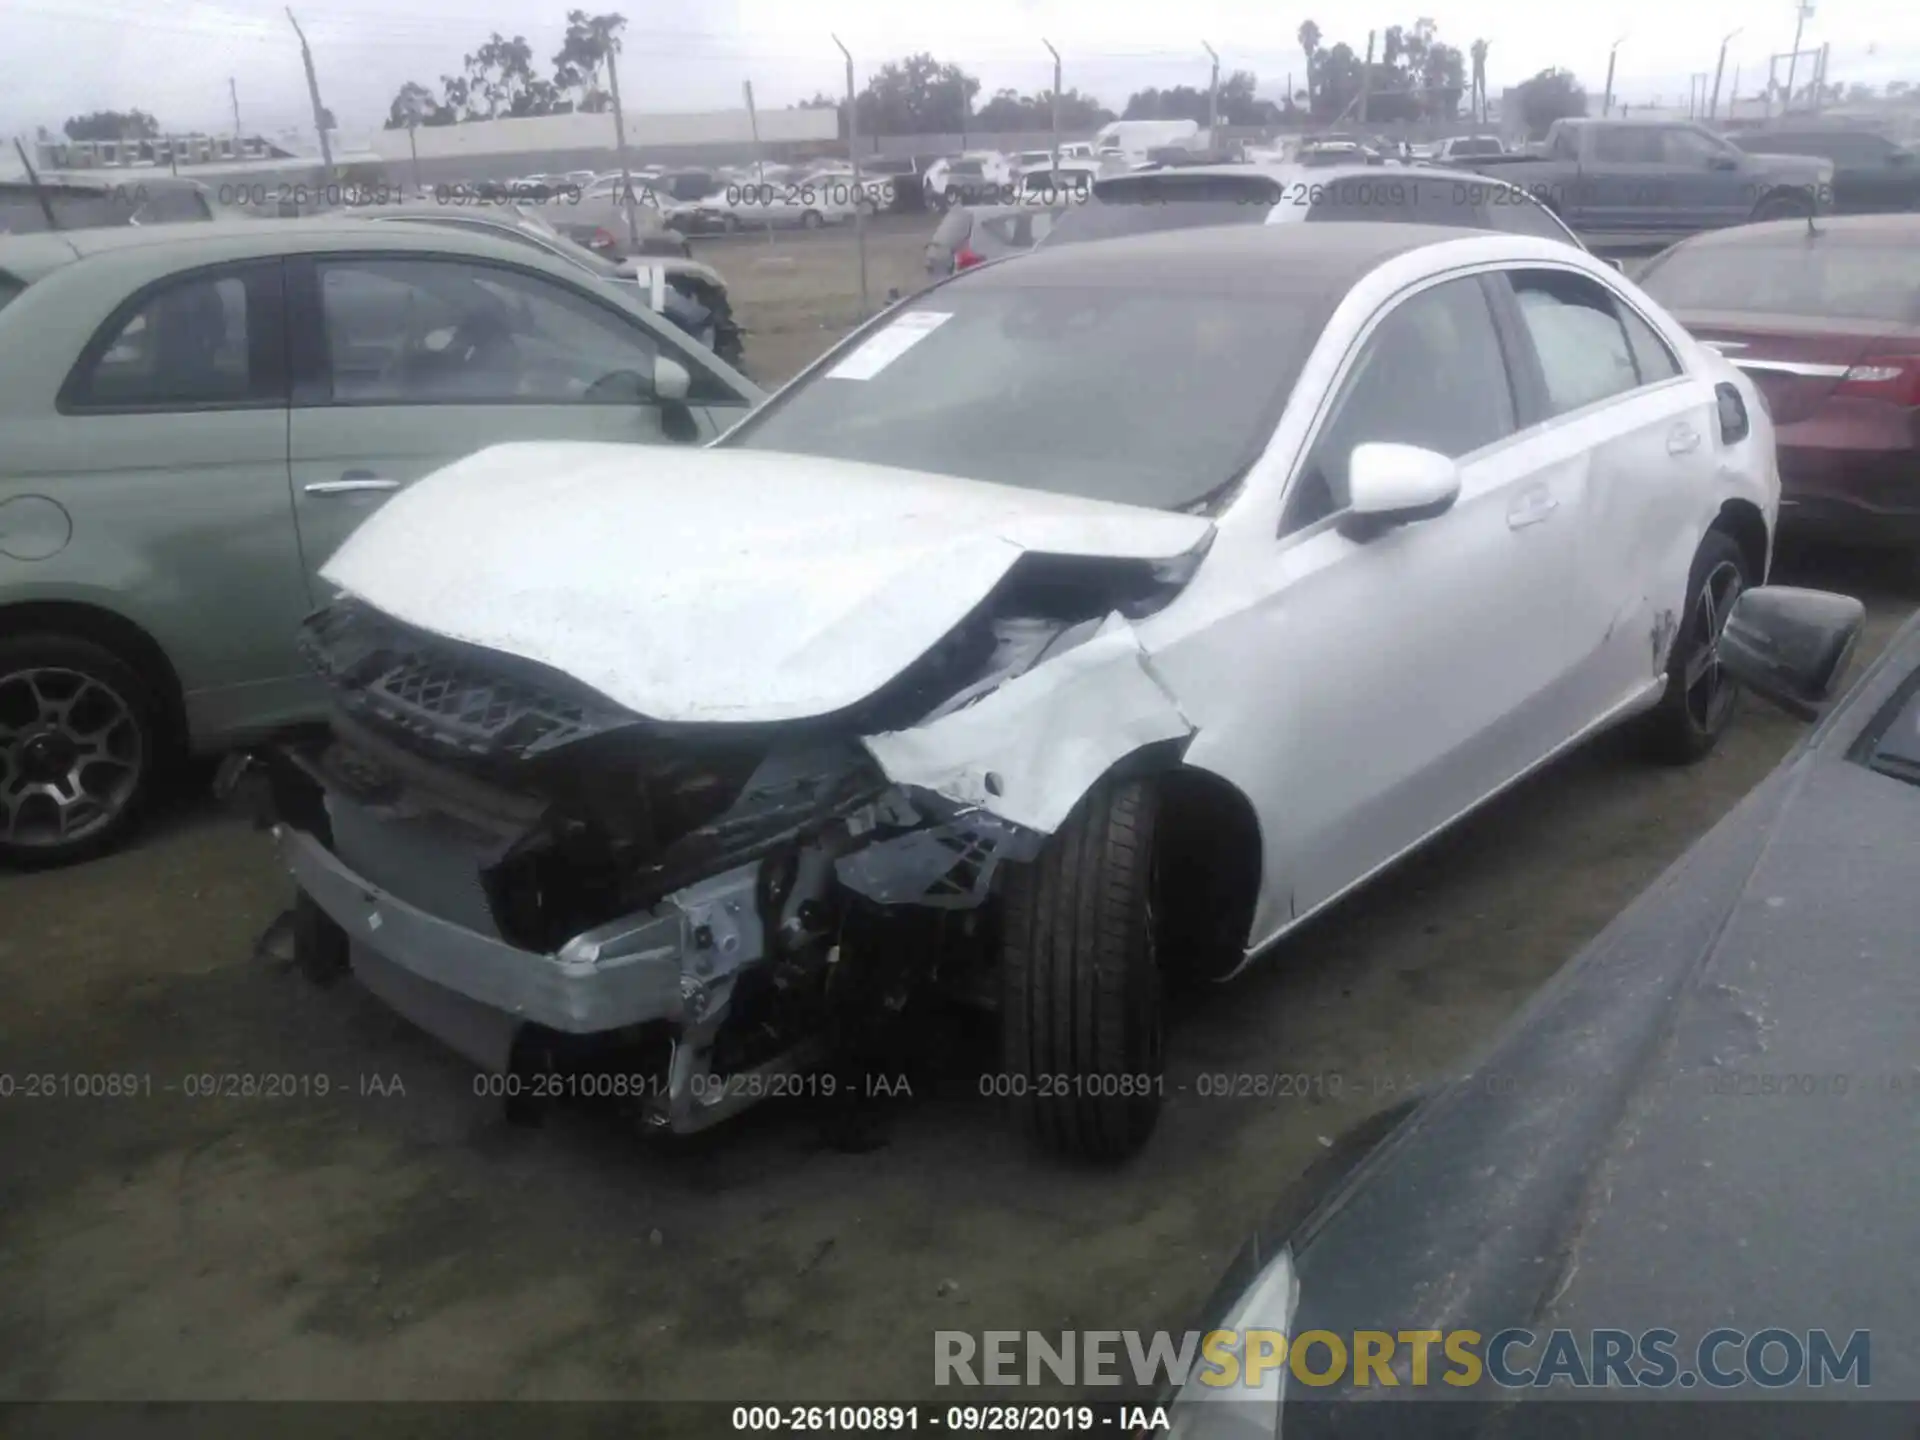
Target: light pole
1713,106
1213,96
1606,103
1054,179
1802,14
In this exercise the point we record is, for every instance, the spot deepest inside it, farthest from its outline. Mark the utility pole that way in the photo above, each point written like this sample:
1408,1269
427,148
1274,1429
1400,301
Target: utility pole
1733,95
759,155
1213,96
1606,103
1820,77
233,94
1056,106
853,154
1366,79
313,94
629,202
1802,12
1713,106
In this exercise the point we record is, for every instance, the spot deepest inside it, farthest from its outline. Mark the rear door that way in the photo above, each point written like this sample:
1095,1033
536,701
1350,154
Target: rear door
1629,441
404,363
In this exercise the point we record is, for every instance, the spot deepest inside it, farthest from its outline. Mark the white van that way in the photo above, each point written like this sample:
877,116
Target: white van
1134,138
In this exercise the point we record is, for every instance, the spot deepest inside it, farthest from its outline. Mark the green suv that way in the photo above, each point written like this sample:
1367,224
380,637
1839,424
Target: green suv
192,418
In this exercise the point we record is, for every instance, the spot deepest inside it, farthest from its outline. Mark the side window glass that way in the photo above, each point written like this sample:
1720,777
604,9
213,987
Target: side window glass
1685,147
1431,374
1651,355
185,347
1576,332
421,331
1627,145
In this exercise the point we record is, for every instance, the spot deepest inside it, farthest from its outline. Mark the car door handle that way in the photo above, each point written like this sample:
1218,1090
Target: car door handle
1682,440
353,482
1531,509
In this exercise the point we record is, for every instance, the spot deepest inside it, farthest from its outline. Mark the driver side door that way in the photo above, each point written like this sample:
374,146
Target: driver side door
404,363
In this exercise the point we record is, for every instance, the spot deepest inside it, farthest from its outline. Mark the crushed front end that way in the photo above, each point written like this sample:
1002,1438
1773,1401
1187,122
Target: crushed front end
538,876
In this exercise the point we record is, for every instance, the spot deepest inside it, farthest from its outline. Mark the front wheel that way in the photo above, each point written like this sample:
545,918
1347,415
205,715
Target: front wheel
1081,1018
1782,207
1700,695
812,220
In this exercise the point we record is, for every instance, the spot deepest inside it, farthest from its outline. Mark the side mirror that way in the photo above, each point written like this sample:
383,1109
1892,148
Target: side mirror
1722,162
1791,646
1390,485
1615,262
671,382
1900,157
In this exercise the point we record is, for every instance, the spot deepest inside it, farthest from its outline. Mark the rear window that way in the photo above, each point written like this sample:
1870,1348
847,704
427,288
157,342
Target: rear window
966,167
1144,204
1804,277
75,209
1474,147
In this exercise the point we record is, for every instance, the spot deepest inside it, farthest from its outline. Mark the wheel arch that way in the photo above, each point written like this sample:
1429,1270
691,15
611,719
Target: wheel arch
112,631
1742,520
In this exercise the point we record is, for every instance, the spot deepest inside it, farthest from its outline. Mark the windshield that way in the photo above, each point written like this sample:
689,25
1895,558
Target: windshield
1142,397
1800,277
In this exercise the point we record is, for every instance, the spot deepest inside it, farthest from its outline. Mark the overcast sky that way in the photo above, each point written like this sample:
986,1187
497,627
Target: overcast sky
62,57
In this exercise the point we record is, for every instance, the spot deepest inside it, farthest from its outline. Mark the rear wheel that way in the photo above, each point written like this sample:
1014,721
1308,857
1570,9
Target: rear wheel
1700,697
79,749
812,220
1782,207
1081,1013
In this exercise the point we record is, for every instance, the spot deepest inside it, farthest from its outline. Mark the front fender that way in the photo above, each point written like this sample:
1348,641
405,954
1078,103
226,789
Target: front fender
1029,750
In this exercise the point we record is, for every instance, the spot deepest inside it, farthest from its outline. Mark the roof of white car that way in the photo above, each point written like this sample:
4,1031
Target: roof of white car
1271,259
1293,173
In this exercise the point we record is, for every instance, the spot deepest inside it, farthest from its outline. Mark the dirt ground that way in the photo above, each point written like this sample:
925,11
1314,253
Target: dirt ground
394,1238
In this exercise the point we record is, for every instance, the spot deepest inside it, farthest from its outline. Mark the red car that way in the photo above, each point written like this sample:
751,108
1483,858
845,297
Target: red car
1825,316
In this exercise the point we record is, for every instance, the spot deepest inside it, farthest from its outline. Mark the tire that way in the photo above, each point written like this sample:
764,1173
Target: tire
1781,207
1693,714
731,224
320,950
62,699
1080,979
812,220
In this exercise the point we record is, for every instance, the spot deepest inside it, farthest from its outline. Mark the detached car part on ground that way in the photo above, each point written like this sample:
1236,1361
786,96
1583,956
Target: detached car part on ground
1086,623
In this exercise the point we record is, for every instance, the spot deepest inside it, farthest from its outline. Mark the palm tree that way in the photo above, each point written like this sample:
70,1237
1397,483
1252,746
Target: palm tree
1479,53
1310,42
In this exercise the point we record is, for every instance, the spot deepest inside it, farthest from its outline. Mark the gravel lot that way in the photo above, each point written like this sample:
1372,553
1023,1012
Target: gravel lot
394,1238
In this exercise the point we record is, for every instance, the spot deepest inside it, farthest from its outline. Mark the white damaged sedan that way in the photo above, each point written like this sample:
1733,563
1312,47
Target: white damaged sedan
1088,618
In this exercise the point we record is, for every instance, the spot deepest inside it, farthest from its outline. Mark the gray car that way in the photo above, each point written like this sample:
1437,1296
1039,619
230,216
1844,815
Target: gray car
193,417
970,235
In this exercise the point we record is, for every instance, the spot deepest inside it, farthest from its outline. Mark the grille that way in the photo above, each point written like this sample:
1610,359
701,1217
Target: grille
452,695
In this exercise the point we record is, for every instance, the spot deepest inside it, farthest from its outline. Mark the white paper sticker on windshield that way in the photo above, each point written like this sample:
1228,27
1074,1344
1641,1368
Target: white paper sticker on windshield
889,345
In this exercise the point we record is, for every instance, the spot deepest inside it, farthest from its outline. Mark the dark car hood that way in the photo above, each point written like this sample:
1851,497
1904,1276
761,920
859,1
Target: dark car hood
1603,1165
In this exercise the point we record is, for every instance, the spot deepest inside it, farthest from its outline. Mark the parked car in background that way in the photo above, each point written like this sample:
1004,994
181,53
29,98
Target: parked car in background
1826,320
192,418
695,295
807,201
974,234
83,203
1134,138
1068,183
1870,172
1219,506
1630,176
906,190
1466,147
979,179
597,217
1185,199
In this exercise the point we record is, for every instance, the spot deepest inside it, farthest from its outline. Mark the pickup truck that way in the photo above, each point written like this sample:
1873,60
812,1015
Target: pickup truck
1632,176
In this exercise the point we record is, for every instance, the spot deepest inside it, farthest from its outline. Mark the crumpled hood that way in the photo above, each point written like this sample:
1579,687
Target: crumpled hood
723,586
